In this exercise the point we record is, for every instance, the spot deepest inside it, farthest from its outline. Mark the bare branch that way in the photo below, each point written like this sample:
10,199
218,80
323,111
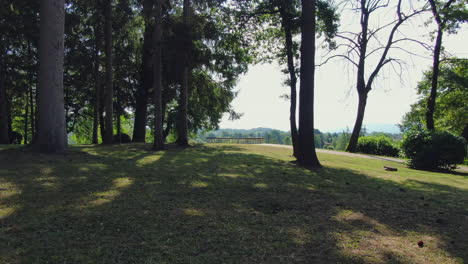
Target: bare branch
337,56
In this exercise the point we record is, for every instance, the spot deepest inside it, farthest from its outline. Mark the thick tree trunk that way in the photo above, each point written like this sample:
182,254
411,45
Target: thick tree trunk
51,131
141,109
307,155
157,80
352,145
108,105
182,123
286,23
431,101
4,131
97,77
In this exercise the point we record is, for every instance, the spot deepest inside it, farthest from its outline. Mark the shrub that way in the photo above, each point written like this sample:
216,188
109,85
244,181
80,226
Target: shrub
432,150
380,145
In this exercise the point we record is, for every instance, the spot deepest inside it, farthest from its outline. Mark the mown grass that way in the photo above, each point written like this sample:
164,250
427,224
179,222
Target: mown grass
224,204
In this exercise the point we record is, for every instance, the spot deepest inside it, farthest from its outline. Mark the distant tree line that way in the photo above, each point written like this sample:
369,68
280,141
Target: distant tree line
325,140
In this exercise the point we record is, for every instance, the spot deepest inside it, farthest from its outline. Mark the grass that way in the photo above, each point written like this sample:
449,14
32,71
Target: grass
224,204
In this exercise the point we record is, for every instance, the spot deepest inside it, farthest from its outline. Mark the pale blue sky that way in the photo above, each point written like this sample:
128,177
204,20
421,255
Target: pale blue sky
336,99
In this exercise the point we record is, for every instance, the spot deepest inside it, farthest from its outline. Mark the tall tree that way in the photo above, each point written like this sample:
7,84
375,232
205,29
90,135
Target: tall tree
307,155
366,43
141,108
109,93
51,131
286,10
446,18
451,113
4,131
157,79
182,123
97,76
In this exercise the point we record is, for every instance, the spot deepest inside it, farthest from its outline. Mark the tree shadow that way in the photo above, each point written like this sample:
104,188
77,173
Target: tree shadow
127,204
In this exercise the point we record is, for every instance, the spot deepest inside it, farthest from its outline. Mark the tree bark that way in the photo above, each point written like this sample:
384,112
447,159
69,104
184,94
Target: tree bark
97,77
26,121
51,131
141,109
31,95
286,23
4,131
182,124
307,155
157,80
352,145
108,105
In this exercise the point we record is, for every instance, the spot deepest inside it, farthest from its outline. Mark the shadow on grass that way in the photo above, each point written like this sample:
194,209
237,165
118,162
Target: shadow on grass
126,204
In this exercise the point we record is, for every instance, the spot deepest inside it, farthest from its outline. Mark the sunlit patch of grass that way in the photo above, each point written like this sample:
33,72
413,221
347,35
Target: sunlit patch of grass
375,242
193,212
261,185
6,211
199,184
147,160
299,236
231,175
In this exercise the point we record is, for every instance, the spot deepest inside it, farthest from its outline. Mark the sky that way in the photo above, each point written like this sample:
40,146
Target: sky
335,95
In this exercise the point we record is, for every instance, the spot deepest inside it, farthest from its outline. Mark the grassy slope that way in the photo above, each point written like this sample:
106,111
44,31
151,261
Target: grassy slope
224,204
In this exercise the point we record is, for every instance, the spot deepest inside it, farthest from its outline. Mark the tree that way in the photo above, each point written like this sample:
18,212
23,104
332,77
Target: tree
141,108
286,10
97,77
448,16
157,79
451,113
307,155
51,131
182,122
4,131
109,94
360,46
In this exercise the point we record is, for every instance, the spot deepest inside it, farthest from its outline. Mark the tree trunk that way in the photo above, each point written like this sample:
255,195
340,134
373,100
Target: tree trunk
97,77
33,113
286,23
157,80
182,124
4,131
352,145
465,132
108,107
31,95
119,126
51,131
26,121
141,109
307,155
435,76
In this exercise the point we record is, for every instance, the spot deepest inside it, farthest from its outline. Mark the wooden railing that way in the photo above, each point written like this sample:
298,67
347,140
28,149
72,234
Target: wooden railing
232,140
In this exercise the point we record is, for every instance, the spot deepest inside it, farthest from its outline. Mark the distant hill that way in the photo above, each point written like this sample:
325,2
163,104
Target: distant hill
374,127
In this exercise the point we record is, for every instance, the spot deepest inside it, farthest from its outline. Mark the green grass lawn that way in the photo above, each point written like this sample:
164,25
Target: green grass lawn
224,204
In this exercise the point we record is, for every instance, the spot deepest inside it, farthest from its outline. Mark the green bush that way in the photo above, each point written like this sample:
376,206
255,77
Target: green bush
432,150
380,145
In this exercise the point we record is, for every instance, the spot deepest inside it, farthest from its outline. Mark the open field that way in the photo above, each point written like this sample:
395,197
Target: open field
225,204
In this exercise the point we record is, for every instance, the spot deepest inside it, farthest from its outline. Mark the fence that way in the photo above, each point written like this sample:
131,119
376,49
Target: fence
247,140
